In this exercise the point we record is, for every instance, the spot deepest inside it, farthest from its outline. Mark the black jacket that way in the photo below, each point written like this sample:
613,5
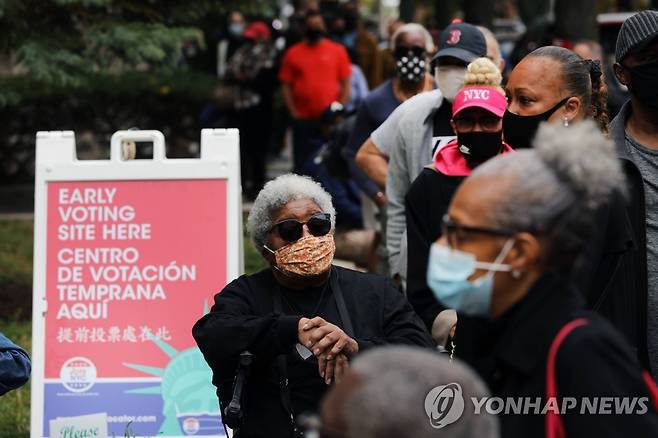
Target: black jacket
426,202
243,318
594,360
619,286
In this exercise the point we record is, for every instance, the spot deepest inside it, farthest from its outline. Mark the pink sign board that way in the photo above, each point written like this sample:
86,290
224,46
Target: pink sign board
130,266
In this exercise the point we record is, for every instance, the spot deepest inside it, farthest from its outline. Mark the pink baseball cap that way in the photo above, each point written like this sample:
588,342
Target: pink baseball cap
488,98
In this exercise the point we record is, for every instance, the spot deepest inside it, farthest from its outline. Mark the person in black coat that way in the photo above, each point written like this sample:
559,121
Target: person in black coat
477,112
514,231
302,318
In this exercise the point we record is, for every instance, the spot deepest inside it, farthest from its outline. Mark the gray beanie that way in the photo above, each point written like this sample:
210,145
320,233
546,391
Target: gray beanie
636,32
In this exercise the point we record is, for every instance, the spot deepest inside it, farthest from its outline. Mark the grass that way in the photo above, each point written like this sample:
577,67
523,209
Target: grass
16,252
16,293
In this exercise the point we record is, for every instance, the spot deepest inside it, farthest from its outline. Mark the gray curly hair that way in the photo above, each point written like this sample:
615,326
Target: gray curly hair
557,187
416,29
278,193
398,379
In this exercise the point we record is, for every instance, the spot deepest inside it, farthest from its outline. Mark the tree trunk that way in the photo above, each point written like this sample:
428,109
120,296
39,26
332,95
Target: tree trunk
407,10
532,10
445,11
480,12
626,5
575,20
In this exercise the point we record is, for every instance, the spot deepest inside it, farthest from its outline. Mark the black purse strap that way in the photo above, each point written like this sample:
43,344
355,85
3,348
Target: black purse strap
340,303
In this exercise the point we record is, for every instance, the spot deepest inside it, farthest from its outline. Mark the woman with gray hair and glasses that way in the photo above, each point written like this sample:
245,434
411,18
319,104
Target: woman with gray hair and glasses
302,318
514,231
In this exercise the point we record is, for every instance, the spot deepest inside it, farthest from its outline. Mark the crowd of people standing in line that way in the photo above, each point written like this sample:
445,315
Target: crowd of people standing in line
521,236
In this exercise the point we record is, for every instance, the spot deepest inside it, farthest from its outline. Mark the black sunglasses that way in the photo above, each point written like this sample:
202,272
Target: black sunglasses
452,230
291,230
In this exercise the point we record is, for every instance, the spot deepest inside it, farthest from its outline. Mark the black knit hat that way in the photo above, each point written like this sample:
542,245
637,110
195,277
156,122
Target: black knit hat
636,32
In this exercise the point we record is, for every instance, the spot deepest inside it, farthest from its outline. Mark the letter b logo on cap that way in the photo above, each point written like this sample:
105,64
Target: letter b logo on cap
455,36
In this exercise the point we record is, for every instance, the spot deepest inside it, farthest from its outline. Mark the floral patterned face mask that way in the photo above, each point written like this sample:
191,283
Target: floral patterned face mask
307,257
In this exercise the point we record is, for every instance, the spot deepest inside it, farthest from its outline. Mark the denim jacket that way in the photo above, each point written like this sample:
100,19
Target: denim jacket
15,365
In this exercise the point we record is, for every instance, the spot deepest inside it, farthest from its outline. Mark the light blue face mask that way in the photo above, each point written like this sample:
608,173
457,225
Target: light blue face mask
447,275
236,29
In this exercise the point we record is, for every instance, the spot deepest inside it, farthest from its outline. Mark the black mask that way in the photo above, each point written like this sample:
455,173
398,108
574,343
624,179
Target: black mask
313,35
478,147
519,131
643,84
410,64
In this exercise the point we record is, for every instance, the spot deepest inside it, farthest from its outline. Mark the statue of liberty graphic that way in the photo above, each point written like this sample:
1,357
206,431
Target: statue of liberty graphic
190,403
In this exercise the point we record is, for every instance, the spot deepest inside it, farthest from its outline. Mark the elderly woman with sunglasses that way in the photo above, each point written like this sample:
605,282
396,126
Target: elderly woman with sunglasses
302,318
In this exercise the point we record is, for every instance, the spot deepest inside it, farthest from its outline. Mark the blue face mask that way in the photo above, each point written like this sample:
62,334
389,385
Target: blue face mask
236,29
447,275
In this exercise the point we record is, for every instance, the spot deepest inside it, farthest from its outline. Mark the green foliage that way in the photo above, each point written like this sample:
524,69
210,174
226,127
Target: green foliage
16,253
253,262
69,43
134,43
51,65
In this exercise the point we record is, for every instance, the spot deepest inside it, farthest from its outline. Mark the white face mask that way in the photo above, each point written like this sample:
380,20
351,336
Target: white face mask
450,79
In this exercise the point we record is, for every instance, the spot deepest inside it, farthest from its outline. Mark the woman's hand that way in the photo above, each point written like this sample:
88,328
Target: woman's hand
333,368
444,326
329,339
304,336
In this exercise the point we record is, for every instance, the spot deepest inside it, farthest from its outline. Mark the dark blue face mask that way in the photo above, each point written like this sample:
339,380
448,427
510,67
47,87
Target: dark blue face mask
519,131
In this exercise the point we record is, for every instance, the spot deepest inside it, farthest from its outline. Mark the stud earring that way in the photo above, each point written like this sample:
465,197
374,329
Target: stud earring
516,274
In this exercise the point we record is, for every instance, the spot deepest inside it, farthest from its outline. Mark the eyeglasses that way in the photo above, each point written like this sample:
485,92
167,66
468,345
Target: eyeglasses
401,51
454,231
291,230
467,124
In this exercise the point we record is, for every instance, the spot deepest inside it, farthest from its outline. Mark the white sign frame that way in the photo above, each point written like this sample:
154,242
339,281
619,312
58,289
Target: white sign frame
56,161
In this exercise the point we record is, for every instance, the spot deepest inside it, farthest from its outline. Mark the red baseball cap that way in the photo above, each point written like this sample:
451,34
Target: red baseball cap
488,98
257,30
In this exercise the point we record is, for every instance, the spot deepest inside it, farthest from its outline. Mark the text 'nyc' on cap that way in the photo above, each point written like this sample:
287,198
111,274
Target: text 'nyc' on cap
487,98
636,32
462,41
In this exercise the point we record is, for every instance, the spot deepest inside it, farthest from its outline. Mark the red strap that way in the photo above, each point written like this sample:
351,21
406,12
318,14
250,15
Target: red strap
651,386
554,425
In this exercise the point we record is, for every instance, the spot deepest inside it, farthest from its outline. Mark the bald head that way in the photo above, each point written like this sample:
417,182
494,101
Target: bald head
493,48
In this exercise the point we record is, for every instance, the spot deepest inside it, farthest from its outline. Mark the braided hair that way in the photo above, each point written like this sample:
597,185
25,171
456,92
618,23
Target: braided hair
582,78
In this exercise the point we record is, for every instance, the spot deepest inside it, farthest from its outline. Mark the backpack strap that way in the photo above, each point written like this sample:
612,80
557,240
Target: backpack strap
554,424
